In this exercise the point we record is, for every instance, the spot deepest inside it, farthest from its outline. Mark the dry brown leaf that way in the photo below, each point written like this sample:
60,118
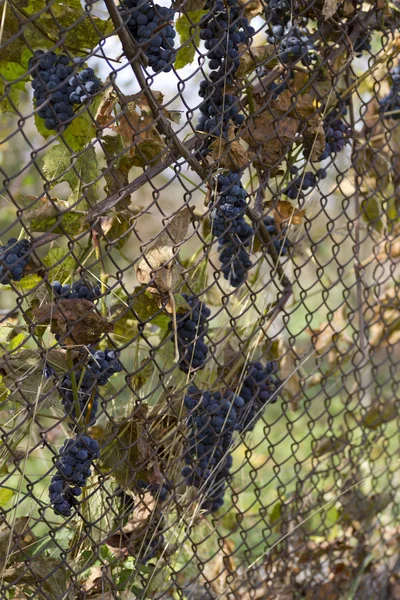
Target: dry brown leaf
269,136
289,372
229,154
75,319
252,8
251,58
285,213
158,267
329,8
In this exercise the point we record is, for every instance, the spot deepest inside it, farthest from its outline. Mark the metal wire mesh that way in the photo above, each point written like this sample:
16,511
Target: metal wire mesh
200,338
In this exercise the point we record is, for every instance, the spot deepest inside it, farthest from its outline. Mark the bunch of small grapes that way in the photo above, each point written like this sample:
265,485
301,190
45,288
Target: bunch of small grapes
100,367
229,226
79,289
390,104
57,89
149,24
191,331
212,421
297,44
259,387
305,181
278,14
73,470
337,132
279,239
222,30
159,491
13,259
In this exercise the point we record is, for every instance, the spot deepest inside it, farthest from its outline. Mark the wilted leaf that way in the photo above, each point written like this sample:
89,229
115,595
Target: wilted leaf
74,320
24,378
381,412
187,29
269,136
252,8
158,267
329,445
372,211
55,216
285,213
228,154
10,550
289,372
251,58
329,8
117,227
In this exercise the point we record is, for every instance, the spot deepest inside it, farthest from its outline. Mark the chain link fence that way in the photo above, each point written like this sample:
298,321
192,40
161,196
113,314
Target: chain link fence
199,269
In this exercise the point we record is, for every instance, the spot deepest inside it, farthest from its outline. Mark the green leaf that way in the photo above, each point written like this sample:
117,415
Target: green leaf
372,212
60,263
45,215
10,89
5,495
186,27
41,28
77,172
28,282
16,341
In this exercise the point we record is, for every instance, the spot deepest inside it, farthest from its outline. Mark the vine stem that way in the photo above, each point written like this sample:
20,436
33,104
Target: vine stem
132,52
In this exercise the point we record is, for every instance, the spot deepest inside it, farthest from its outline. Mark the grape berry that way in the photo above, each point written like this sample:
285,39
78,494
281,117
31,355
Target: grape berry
229,226
57,89
211,425
13,259
191,328
149,24
100,367
73,466
79,289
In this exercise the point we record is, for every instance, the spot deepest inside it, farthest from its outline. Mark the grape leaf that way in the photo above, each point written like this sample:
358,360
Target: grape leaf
74,319
55,216
189,33
60,263
79,173
10,87
158,267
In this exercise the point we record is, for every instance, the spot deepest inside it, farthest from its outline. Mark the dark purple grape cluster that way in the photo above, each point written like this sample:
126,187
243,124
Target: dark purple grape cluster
302,183
295,45
222,30
279,238
13,259
57,88
159,491
73,470
100,367
390,104
191,331
337,132
278,14
259,387
79,289
212,421
229,226
150,26
153,541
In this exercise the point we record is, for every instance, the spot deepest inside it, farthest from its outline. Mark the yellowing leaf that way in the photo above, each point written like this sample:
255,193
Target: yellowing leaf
5,495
